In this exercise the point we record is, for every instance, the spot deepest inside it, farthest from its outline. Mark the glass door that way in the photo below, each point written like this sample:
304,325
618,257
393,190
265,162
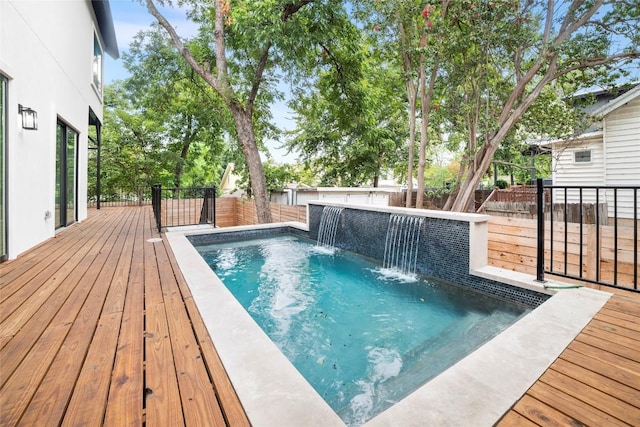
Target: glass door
66,185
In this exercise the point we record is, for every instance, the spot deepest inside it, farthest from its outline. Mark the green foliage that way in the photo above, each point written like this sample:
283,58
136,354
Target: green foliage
498,82
502,184
350,123
161,125
278,176
441,176
163,87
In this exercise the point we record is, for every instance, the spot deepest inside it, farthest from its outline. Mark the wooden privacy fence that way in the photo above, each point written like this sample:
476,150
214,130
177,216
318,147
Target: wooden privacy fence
245,211
513,243
229,212
574,212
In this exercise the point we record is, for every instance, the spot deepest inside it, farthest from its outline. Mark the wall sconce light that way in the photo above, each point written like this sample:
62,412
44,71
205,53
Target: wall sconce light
29,117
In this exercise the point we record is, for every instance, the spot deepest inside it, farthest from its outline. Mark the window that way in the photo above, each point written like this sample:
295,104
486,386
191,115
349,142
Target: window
582,156
97,64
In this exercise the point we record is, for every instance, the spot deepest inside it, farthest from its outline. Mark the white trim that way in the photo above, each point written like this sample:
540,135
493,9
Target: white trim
569,140
456,216
618,102
604,150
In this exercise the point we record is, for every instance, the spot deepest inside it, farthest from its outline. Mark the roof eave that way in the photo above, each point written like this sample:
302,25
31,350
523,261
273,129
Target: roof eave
102,10
617,103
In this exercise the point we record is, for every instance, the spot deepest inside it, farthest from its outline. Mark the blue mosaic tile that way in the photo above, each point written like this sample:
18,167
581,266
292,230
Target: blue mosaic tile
443,251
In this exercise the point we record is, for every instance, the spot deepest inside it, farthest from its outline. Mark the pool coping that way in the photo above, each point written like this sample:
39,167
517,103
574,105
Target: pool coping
478,390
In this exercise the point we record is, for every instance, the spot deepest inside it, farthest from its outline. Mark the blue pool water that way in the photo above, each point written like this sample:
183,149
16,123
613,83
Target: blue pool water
363,338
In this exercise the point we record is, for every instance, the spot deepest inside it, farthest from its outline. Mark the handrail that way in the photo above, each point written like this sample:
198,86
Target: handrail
174,207
619,206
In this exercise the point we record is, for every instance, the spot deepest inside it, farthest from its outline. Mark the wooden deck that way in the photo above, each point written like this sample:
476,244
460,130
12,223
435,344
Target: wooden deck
595,381
97,327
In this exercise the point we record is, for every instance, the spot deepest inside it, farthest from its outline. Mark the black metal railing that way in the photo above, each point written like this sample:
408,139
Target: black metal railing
592,234
121,197
173,207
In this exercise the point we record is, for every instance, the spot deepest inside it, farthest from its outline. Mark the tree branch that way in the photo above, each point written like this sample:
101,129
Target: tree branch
595,62
290,9
186,54
549,22
257,77
568,27
221,56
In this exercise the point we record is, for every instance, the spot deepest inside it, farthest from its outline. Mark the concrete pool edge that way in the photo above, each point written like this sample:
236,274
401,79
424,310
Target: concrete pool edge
480,388
271,390
476,391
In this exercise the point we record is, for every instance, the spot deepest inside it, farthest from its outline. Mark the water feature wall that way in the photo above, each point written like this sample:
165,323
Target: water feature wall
401,243
328,225
445,249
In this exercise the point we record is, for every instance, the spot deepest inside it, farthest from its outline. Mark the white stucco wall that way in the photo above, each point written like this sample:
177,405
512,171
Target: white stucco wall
351,196
46,51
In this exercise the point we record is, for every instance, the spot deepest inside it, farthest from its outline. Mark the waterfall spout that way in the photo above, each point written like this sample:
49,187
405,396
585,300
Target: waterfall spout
401,245
328,226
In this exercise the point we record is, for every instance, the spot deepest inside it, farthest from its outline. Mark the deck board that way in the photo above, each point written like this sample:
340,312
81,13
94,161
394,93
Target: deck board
96,331
98,327
596,380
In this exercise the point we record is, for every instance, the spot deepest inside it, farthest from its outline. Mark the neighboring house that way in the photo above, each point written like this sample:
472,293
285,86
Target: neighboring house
351,195
608,154
229,182
51,89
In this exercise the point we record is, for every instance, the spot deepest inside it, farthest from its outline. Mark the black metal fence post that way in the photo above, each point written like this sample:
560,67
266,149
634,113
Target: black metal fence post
213,199
156,200
540,203
208,213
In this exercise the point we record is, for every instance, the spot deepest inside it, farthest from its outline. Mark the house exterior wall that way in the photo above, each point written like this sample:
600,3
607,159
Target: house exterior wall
46,52
622,148
567,172
352,196
615,160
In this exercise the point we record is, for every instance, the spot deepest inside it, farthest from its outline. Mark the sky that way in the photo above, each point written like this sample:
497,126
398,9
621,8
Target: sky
130,17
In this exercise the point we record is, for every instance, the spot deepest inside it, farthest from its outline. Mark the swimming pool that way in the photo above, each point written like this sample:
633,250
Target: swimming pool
363,338
475,391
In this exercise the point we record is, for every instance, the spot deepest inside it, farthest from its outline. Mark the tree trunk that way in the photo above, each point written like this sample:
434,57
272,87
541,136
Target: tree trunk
424,125
482,161
247,140
186,143
411,92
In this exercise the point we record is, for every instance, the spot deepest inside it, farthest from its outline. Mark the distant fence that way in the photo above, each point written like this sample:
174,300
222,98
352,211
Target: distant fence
433,198
121,197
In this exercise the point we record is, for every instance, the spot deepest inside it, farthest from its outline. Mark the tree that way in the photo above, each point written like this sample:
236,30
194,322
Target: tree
164,87
248,41
349,117
573,44
401,29
133,156
413,30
